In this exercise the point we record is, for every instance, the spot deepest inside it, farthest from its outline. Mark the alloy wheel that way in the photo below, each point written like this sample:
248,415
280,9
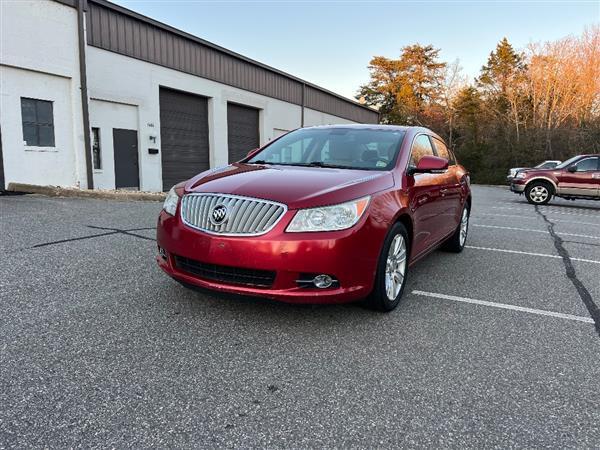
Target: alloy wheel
395,267
464,226
539,194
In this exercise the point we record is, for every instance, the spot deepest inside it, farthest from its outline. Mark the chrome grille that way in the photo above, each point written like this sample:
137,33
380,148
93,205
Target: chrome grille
245,216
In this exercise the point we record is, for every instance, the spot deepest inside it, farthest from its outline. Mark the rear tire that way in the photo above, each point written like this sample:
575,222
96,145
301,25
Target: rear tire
456,242
538,192
392,270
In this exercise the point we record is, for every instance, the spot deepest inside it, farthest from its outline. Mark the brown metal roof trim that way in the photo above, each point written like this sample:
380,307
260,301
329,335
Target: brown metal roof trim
120,30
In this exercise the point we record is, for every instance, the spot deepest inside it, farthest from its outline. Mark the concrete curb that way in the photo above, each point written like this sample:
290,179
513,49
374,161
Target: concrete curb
56,191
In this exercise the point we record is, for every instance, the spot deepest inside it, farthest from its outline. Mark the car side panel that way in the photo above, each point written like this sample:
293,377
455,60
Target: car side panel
577,183
426,205
596,180
451,198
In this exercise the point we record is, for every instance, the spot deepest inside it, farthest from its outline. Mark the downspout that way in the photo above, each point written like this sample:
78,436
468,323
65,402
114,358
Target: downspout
81,7
303,104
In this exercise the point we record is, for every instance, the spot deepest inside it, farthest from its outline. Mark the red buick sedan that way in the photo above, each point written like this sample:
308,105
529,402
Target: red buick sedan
325,214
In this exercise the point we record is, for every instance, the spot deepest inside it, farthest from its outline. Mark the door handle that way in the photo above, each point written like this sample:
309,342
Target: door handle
596,175
443,192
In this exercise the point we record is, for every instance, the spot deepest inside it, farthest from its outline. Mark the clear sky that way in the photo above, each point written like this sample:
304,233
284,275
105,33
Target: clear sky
330,43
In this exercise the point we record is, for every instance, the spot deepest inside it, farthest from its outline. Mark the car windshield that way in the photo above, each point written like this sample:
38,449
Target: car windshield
346,148
568,162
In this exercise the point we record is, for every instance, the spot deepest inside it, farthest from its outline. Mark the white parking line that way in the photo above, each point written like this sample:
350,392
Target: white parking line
539,312
523,217
534,231
518,252
547,210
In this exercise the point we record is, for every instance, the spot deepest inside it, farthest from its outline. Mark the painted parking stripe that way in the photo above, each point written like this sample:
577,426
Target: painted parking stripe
518,252
523,217
546,209
540,312
534,231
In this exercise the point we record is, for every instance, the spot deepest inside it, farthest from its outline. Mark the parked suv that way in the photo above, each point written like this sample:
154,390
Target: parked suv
320,215
578,177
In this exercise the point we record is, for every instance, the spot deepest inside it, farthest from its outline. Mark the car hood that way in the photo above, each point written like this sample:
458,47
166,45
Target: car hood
297,187
528,171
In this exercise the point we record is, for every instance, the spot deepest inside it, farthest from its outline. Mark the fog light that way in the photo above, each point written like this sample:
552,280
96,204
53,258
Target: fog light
322,281
162,253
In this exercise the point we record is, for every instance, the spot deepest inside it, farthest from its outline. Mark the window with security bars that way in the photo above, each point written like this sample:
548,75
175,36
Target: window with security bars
38,122
96,153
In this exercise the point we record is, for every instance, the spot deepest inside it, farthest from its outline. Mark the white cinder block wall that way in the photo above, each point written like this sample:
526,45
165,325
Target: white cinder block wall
40,59
37,165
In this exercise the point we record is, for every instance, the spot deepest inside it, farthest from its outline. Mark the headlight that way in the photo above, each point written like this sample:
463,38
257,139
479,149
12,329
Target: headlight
329,218
170,204
520,175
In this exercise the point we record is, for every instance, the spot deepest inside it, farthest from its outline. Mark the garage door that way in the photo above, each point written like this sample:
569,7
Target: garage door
1,166
183,136
242,130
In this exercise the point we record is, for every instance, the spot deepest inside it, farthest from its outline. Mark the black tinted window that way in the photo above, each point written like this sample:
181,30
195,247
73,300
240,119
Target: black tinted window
421,147
587,164
38,122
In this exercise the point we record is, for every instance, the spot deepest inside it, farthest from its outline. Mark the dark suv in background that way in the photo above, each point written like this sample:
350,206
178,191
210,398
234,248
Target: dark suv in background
578,177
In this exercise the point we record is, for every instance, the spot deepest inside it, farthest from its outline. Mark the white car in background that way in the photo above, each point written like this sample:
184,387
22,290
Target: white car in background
549,164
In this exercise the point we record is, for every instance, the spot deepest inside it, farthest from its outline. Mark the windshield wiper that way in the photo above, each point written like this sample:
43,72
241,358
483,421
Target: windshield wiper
322,164
258,161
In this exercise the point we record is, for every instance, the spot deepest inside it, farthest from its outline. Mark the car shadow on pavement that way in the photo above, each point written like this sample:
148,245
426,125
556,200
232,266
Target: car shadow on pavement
202,295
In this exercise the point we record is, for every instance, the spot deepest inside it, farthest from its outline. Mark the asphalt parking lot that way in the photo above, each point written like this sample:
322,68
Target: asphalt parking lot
494,347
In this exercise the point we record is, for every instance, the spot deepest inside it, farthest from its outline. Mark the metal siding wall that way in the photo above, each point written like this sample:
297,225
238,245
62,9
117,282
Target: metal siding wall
330,104
115,31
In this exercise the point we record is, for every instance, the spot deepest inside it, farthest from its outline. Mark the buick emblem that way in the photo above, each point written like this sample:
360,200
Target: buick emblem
218,215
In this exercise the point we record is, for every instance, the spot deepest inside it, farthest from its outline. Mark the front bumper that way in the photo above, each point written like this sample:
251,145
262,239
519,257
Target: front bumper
350,256
517,188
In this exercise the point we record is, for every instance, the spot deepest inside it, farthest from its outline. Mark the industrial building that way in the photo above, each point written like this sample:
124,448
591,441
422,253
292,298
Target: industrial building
96,95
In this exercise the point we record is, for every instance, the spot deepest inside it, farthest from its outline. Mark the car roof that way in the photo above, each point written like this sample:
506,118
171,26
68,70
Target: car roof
370,126
374,126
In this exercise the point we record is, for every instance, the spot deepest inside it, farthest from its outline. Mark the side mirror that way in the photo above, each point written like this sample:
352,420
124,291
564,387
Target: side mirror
430,164
572,168
252,152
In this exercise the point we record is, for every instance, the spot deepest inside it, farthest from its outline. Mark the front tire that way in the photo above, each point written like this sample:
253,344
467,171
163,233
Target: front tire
392,270
538,192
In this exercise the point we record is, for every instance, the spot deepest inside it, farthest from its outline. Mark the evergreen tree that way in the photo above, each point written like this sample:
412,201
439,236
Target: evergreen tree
406,90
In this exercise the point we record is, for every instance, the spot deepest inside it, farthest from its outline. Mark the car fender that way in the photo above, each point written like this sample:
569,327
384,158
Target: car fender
550,180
